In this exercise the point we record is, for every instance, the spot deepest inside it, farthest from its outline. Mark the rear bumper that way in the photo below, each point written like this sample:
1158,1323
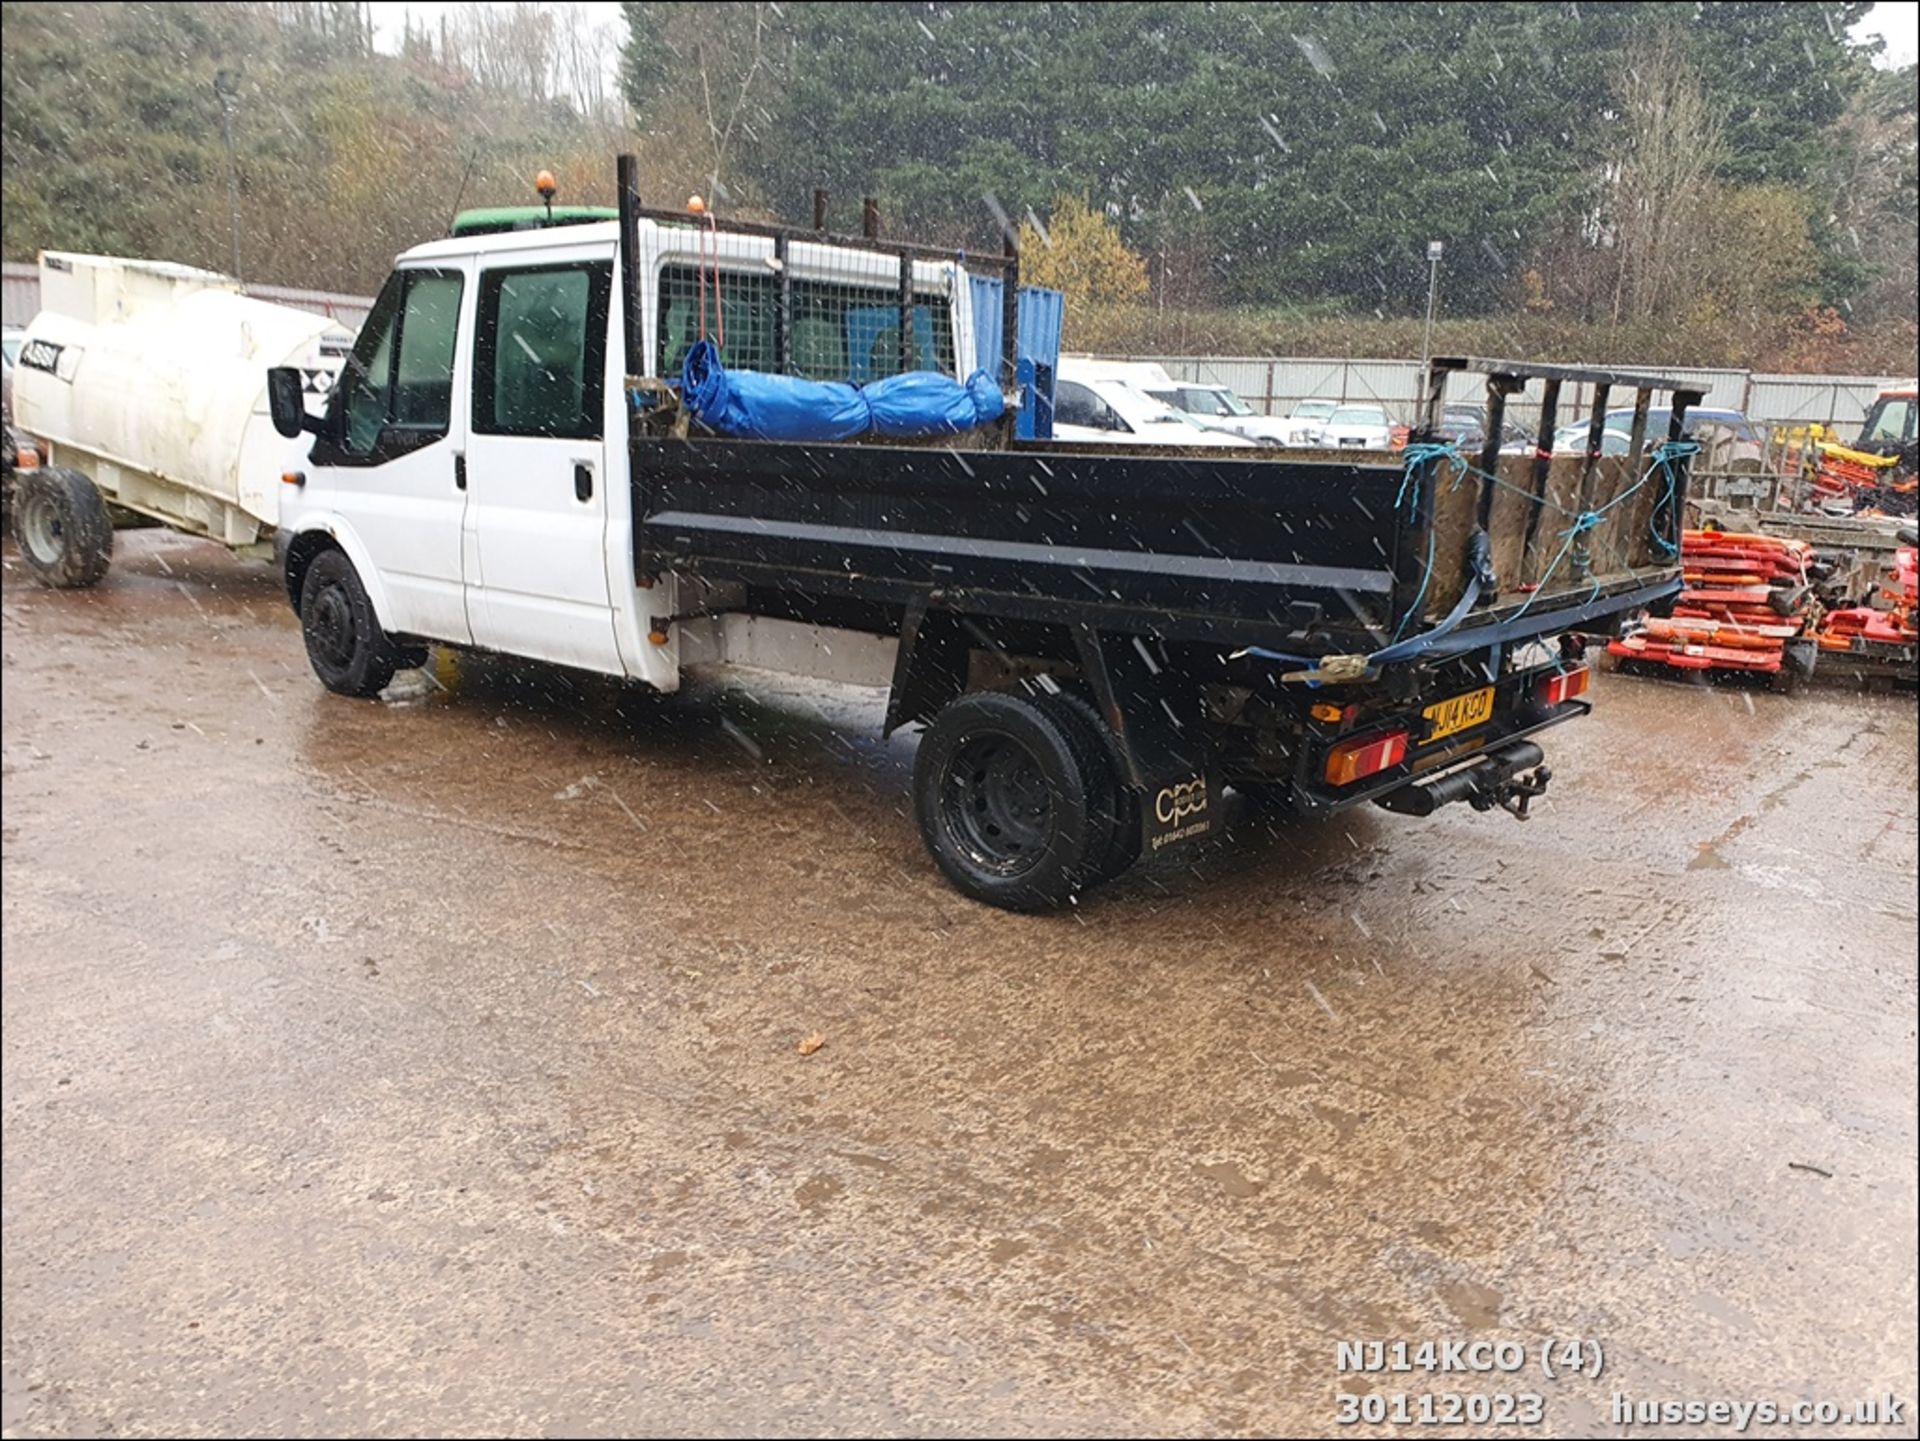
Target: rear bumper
1517,715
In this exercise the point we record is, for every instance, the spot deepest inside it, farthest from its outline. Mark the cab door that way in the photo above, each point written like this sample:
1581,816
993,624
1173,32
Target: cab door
392,448
537,475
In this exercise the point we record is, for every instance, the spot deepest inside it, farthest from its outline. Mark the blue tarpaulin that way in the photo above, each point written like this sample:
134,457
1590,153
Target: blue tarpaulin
755,406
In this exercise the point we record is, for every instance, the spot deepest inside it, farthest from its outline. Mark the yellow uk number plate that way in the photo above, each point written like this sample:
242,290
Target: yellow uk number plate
1462,712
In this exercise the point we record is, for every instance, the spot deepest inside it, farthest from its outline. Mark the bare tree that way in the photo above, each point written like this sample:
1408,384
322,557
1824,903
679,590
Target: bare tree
509,48
1658,184
747,67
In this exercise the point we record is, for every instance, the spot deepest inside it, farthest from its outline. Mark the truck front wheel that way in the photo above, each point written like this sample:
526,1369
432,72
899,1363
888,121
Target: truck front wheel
1012,801
345,645
61,524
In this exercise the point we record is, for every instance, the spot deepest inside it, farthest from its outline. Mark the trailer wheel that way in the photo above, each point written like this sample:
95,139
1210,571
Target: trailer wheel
1009,797
61,524
345,645
1119,801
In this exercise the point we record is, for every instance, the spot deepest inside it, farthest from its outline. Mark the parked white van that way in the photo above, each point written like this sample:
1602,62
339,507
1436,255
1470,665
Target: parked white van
1103,403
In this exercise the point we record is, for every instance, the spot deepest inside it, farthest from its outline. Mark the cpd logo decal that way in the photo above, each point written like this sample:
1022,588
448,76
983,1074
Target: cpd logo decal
1180,800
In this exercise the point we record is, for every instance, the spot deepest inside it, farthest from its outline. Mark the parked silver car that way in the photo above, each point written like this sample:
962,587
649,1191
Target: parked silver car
1359,427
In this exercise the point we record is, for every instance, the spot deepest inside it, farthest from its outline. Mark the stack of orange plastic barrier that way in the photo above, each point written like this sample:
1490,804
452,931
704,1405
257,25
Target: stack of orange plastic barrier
1745,598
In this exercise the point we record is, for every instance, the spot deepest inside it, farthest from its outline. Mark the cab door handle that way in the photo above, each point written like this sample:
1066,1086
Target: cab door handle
459,472
582,480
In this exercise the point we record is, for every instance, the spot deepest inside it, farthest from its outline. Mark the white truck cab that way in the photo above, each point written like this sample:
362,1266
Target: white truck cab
471,467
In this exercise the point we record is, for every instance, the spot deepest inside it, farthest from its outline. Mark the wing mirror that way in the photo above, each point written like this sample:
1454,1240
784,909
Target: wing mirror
287,403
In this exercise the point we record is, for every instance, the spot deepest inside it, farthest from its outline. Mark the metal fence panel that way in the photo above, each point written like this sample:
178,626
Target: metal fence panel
1836,400
1274,385
19,293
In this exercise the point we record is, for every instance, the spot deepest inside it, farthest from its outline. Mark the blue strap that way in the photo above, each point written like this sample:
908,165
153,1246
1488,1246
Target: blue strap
1665,455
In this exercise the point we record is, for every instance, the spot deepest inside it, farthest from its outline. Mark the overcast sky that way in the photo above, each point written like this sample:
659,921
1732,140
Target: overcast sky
1898,23
390,22
1895,21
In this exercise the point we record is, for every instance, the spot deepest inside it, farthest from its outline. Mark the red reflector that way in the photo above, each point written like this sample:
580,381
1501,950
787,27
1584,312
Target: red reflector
1350,760
1566,685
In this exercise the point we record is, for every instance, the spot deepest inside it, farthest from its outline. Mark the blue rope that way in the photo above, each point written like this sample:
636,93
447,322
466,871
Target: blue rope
1418,455
1664,456
1415,457
1406,503
1581,525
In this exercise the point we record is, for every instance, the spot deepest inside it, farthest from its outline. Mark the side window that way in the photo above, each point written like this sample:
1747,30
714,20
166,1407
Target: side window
870,321
423,370
1894,421
400,375
1712,437
744,314
1076,405
368,389
820,348
539,356
839,332
365,390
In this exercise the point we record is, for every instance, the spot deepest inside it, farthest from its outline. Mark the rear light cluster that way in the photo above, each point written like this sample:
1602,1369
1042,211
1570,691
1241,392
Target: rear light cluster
1353,760
1565,685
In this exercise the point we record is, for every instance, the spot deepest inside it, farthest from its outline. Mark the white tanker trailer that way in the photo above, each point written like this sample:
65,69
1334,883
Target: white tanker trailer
144,384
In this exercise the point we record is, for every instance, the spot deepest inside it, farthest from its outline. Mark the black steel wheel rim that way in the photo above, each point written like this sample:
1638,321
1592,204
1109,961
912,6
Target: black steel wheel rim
331,625
996,804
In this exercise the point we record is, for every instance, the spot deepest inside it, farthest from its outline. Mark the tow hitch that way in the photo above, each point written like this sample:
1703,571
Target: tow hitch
1495,780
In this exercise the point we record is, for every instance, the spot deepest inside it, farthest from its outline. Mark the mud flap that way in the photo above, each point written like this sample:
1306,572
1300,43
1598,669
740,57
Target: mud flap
1158,738
1180,810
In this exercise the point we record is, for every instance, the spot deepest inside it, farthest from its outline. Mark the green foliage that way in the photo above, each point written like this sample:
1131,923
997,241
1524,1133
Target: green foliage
112,139
1309,149
1291,159
646,60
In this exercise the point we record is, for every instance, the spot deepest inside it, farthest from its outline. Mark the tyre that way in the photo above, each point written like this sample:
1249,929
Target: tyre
61,524
1118,804
345,645
1011,797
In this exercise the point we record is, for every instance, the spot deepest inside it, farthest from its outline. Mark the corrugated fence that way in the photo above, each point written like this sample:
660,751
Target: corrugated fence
1273,385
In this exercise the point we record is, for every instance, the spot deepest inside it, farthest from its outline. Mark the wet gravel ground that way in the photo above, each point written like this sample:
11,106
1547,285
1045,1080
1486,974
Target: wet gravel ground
433,1066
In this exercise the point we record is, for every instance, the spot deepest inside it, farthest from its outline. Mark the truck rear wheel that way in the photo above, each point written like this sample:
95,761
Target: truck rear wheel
345,645
1121,802
61,524
1014,801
